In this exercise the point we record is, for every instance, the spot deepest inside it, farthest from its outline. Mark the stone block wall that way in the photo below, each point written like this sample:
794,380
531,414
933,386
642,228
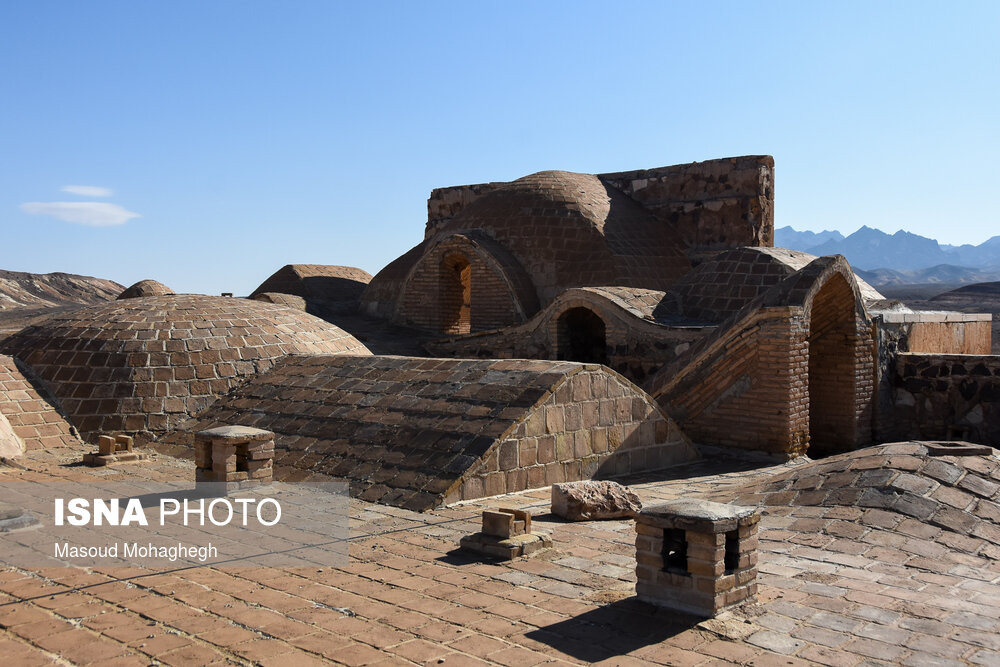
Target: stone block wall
935,397
594,424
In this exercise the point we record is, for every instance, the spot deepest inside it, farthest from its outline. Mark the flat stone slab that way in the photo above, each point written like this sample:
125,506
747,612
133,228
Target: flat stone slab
957,448
236,433
699,515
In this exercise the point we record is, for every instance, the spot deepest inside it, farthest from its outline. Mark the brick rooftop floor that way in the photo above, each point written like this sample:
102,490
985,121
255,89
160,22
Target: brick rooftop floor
836,588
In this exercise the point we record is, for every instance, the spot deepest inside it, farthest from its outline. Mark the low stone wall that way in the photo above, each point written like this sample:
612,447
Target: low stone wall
938,396
939,332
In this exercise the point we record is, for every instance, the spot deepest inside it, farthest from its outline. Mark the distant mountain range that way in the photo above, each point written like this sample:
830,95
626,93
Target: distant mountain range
900,258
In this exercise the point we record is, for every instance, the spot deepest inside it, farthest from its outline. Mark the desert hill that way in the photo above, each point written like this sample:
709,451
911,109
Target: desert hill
28,297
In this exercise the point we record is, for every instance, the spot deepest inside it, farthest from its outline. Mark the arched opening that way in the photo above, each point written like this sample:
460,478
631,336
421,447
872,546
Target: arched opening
582,337
455,294
832,370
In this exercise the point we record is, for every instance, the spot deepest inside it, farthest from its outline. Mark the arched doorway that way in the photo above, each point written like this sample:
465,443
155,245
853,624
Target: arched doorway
582,336
833,414
455,294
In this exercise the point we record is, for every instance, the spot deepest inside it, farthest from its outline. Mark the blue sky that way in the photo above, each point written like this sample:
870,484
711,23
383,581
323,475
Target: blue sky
206,144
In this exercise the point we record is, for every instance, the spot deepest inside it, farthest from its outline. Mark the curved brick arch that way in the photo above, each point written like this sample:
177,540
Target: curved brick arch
499,291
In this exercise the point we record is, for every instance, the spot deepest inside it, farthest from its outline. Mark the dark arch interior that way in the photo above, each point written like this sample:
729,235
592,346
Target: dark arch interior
832,414
456,294
582,337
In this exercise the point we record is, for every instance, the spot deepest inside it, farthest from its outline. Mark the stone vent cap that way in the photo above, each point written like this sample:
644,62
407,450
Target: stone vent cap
702,516
957,448
236,433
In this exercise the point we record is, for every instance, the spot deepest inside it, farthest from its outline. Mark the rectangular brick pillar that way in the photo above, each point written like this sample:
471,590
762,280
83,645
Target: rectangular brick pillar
696,556
238,456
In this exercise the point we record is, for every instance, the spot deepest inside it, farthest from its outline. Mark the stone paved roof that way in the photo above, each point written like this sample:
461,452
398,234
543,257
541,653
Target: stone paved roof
144,365
410,431
838,586
33,419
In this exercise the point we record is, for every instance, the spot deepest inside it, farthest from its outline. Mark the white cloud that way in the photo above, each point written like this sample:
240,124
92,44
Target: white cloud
87,190
92,213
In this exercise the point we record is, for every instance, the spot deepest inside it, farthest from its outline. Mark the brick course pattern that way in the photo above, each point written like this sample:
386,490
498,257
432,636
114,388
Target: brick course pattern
145,288
803,350
696,556
635,343
32,416
417,433
144,365
335,283
565,230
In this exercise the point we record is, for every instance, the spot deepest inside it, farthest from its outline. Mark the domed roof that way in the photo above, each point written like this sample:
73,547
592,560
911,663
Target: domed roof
145,288
144,365
572,230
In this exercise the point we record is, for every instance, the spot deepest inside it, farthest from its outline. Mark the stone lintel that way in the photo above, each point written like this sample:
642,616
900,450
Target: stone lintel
699,516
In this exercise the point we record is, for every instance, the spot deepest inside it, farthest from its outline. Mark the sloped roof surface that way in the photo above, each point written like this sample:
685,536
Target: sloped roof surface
402,429
320,281
31,417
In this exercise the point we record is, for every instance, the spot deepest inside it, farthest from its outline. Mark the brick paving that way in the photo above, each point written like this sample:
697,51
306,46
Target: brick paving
409,597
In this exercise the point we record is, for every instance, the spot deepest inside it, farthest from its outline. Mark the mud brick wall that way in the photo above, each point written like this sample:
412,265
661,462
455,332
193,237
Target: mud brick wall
594,425
713,205
944,397
939,333
31,416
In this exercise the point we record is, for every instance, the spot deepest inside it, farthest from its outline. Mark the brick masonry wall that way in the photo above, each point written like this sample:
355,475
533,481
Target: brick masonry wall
635,347
594,424
713,205
427,303
32,418
944,397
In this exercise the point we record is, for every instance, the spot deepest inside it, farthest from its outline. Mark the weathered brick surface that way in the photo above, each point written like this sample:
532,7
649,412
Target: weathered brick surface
795,362
143,365
145,288
564,229
31,415
635,343
334,283
417,432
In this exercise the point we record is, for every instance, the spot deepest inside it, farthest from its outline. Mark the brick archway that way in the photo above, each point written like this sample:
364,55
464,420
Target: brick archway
582,336
833,418
455,294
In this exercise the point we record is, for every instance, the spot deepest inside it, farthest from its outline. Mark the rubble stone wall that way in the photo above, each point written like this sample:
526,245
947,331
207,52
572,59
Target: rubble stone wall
944,396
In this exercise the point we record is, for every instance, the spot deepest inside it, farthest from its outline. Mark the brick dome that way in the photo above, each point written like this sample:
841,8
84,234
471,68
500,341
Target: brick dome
146,288
143,365
572,230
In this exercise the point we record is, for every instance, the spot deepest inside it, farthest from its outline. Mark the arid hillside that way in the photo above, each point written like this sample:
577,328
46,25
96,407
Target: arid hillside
27,297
